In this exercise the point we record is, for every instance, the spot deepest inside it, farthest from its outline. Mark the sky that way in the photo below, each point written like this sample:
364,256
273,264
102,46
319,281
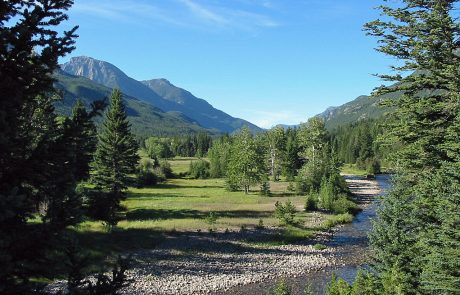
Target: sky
267,61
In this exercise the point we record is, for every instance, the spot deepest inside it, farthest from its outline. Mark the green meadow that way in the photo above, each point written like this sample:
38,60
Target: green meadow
181,206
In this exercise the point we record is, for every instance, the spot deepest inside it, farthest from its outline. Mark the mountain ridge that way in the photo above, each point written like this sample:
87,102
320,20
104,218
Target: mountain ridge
145,119
158,92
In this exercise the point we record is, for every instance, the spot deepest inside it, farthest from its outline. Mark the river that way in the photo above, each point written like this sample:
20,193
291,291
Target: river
351,243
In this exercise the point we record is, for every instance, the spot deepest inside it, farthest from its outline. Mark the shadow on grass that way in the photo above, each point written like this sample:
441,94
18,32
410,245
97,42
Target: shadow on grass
182,186
100,249
153,214
152,195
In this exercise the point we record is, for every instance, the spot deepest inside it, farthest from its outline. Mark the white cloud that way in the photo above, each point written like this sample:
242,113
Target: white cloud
185,13
204,13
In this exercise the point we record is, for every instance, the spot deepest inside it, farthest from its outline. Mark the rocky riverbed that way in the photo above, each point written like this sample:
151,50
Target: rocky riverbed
220,263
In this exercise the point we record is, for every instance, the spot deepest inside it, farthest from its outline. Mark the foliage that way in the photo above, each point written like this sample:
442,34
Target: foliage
246,164
146,175
260,225
281,288
265,188
319,247
211,219
115,158
365,283
199,169
77,284
36,154
409,231
218,156
285,212
158,148
311,203
291,161
359,142
274,140
373,166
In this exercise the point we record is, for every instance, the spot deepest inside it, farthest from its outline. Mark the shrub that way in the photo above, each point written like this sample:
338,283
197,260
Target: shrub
343,205
199,169
146,178
311,203
319,247
373,166
285,212
260,225
281,288
211,219
265,189
337,219
165,168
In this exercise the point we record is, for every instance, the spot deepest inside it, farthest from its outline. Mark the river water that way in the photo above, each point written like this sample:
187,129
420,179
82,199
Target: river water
351,243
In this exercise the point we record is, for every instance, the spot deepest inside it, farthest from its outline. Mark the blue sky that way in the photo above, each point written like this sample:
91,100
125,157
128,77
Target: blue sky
267,61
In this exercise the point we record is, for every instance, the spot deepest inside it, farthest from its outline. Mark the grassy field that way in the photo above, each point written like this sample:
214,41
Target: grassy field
353,170
182,205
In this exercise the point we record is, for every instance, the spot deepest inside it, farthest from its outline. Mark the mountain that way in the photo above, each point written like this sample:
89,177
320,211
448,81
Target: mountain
158,92
197,108
145,119
363,107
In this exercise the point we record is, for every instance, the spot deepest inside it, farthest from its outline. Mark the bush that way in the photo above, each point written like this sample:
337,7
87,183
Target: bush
373,166
334,220
146,178
311,204
148,175
260,225
165,169
343,205
105,206
281,288
319,247
199,169
265,189
285,212
211,219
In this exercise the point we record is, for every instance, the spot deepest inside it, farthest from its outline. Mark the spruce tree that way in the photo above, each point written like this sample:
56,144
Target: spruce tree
115,158
415,235
29,51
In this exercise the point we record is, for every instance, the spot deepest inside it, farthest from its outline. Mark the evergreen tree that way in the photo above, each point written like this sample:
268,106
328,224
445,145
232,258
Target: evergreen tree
115,158
413,231
28,133
291,161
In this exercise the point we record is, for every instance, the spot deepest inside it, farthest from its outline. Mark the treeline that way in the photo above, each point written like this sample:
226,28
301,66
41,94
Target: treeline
360,143
46,160
168,147
303,156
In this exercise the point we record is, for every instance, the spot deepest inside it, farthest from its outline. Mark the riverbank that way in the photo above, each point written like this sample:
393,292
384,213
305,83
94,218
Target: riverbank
225,263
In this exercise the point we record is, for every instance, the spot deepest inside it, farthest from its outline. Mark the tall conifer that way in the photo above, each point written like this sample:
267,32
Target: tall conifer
115,158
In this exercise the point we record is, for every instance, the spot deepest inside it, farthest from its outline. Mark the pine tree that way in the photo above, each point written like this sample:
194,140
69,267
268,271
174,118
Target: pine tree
413,231
115,158
28,130
291,162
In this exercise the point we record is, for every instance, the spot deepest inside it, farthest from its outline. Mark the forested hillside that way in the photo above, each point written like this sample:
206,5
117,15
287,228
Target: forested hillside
158,93
146,119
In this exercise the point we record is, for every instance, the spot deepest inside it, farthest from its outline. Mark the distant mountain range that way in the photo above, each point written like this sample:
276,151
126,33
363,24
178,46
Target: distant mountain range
154,100
363,107
145,119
